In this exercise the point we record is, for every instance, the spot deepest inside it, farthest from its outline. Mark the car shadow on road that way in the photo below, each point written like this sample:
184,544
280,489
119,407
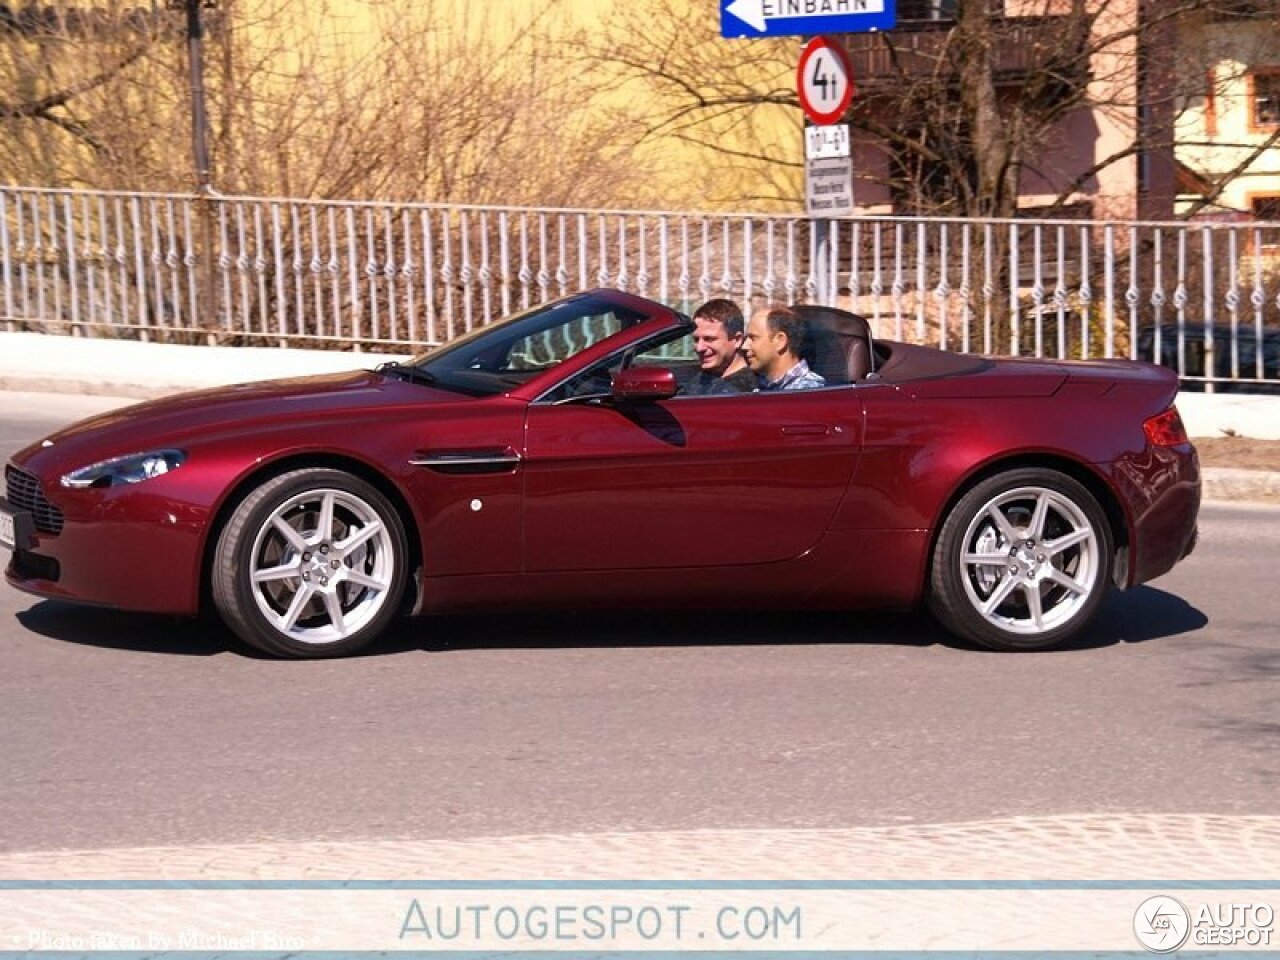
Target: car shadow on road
660,628
1136,616
118,630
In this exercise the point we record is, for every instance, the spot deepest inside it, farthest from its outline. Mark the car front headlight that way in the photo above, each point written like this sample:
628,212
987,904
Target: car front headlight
132,468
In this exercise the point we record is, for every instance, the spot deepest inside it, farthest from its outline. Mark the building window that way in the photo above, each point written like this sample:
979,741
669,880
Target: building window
1265,207
1241,10
1264,99
1211,104
910,12
920,185
927,9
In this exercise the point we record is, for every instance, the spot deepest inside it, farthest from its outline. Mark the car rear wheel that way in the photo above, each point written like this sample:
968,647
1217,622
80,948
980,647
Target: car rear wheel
312,563
1022,562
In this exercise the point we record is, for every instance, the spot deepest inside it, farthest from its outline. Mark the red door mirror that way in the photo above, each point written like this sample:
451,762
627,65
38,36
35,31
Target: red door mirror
644,383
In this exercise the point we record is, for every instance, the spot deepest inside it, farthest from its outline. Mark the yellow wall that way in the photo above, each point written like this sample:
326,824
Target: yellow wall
338,34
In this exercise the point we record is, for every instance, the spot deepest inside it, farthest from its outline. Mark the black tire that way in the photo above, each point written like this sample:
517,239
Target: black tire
1068,581
311,583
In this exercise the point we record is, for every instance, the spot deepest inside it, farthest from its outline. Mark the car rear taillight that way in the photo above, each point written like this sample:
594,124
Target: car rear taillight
1166,429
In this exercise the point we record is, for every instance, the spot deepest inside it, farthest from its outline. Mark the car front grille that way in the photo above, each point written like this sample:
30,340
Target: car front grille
23,492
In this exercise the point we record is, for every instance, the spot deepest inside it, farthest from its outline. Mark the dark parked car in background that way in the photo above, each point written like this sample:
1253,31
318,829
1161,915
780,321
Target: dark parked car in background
1238,355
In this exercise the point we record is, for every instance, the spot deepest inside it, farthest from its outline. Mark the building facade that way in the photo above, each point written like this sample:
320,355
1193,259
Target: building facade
1229,129
1085,110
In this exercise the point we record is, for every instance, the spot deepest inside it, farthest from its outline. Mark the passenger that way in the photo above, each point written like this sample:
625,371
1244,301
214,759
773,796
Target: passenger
773,351
717,339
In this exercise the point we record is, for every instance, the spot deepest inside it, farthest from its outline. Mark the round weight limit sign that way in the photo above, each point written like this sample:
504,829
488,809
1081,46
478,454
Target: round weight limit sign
824,80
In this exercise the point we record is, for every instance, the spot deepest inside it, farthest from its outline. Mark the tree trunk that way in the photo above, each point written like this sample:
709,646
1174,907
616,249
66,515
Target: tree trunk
994,179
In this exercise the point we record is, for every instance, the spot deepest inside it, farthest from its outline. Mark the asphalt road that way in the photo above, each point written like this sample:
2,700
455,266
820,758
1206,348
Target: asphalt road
119,729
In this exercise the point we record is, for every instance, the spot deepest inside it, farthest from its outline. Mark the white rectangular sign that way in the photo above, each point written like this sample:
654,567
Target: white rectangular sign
828,187
827,142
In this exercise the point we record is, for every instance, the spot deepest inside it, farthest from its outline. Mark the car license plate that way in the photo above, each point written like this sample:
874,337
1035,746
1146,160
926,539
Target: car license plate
8,531
17,527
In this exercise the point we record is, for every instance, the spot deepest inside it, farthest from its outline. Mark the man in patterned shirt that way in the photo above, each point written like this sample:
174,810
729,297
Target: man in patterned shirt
773,343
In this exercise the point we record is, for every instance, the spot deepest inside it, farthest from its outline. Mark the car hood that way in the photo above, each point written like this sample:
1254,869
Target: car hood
207,414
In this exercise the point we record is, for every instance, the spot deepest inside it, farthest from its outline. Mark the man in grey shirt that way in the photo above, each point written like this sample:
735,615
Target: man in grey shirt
717,340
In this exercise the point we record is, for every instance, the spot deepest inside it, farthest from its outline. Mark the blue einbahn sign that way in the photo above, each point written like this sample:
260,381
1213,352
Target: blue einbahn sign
782,18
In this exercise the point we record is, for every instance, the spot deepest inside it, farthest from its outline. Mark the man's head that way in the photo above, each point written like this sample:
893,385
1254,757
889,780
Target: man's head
717,335
773,341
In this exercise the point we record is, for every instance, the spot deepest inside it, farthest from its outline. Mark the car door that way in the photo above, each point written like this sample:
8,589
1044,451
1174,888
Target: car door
463,472
686,482
464,468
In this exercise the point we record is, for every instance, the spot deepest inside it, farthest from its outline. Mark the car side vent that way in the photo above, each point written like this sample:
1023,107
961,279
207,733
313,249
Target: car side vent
23,492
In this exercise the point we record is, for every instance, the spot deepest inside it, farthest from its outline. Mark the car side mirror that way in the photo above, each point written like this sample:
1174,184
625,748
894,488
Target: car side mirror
644,383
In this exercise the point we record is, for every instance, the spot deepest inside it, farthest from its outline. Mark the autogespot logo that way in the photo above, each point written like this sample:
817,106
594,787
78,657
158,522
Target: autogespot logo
1161,924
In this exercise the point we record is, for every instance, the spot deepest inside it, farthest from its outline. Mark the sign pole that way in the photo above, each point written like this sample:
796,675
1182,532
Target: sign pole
824,83
204,171
826,282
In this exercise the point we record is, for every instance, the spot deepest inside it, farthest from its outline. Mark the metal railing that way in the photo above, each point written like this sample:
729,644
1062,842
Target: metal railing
1202,297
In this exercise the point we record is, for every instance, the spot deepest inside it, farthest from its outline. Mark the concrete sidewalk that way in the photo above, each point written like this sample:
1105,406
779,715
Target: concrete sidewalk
1071,886
126,368
1087,847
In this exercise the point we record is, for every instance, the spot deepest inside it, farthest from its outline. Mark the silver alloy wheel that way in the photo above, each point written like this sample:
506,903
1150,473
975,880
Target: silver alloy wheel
322,566
1030,560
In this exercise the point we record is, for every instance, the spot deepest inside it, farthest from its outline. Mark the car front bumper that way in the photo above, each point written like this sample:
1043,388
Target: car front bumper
130,547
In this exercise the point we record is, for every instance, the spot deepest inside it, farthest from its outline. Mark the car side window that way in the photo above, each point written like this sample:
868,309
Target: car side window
673,350
546,348
595,381
674,354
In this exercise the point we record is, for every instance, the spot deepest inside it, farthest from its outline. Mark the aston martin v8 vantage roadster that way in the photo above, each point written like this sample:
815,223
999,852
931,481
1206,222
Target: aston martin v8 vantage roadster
559,459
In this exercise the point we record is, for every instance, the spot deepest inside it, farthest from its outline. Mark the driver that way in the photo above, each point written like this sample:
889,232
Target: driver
717,340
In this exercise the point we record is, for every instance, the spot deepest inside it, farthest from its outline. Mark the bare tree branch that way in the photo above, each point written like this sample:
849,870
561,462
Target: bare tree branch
42,106
959,133
1221,182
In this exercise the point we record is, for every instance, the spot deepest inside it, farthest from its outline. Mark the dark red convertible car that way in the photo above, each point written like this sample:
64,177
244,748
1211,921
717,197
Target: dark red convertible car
553,460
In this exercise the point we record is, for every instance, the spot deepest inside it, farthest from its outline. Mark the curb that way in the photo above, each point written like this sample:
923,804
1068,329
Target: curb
1231,483
99,388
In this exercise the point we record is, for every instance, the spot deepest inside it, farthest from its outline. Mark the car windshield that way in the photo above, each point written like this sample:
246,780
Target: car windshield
500,357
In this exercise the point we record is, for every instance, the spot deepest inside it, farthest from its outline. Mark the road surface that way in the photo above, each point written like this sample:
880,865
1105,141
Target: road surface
122,730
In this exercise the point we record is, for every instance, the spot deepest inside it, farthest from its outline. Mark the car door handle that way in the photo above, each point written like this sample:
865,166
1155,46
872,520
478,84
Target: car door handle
805,430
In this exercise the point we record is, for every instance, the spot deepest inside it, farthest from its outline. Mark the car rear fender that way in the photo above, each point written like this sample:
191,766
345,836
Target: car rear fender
1118,517
920,456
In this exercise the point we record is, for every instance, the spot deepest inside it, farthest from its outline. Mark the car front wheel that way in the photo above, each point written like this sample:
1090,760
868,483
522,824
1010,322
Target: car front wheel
312,563
1022,562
